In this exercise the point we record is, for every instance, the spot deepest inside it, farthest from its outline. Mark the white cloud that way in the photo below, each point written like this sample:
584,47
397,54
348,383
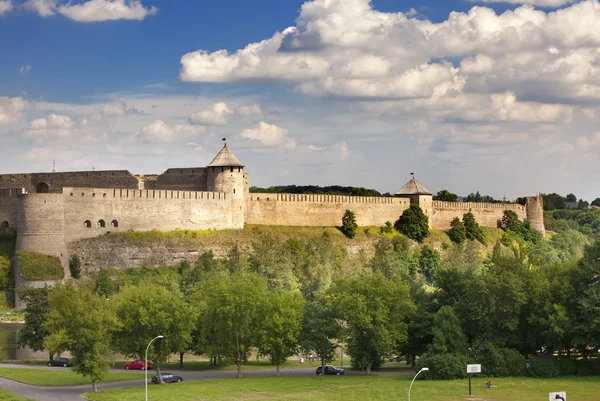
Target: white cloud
52,126
336,152
159,131
5,6
24,69
92,10
249,110
216,114
11,110
269,135
538,3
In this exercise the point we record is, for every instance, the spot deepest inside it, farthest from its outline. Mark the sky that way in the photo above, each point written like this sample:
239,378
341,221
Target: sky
501,97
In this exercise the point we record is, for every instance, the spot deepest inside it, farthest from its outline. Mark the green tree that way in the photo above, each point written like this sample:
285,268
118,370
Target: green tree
446,196
582,205
472,229
457,232
571,198
147,310
281,324
33,332
596,202
553,201
75,266
430,261
474,197
413,223
371,312
231,315
319,331
448,336
84,322
349,225
510,221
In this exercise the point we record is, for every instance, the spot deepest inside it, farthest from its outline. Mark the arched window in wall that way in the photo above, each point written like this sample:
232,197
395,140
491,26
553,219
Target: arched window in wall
101,223
87,224
114,224
42,188
4,226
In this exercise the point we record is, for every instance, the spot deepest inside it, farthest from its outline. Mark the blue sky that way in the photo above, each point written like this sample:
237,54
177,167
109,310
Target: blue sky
469,95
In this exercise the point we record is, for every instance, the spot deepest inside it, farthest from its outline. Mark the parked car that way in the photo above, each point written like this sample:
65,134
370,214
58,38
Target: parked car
168,378
330,370
64,362
137,364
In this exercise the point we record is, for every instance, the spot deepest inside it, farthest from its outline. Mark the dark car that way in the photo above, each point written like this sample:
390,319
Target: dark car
330,370
64,362
168,378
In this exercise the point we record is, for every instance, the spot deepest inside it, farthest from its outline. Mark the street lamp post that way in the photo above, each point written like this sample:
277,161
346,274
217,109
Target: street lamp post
413,380
146,366
6,313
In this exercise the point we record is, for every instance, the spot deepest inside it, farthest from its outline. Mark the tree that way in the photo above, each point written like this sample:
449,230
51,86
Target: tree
281,324
596,202
147,310
582,205
448,336
231,315
553,201
371,313
413,223
349,225
457,232
446,196
84,323
474,197
430,261
510,221
570,198
472,229
33,333
319,331
75,266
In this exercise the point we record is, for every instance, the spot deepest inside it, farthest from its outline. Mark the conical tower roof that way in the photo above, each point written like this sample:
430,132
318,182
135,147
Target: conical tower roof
225,158
413,187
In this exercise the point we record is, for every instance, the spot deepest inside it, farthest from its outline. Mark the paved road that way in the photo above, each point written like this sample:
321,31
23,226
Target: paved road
42,393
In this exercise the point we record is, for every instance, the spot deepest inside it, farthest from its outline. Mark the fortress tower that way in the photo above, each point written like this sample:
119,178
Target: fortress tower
418,195
226,174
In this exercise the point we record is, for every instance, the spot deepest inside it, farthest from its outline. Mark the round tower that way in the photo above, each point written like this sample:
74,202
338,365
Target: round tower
535,213
226,174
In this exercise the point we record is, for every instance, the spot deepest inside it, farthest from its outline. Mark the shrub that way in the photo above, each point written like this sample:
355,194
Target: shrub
472,229
413,223
515,362
387,228
35,266
349,225
496,361
75,266
6,277
444,366
457,232
544,368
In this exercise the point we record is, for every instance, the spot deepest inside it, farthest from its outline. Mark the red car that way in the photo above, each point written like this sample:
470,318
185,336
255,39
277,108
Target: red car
137,364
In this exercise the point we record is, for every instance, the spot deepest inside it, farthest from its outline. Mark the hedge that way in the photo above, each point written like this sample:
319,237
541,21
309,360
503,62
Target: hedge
36,267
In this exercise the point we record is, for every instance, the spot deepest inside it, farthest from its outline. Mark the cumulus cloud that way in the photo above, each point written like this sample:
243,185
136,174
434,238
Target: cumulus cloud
538,3
52,126
11,110
116,108
92,10
269,135
336,152
5,6
249,110
216,114
160,131
24,69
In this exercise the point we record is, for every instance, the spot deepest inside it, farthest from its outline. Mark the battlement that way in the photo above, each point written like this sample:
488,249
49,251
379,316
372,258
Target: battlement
104,193
466,206
9,192
267,197
66,174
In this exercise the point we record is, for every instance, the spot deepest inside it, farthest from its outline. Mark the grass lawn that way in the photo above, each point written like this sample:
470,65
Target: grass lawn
358,388
6,396
60,377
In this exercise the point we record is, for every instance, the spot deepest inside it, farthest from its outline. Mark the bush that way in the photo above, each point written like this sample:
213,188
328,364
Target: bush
6,277
349,225
472,229
34,266
546,367
444,366
75,266
515,362
413,223
387,228
457,232
496,361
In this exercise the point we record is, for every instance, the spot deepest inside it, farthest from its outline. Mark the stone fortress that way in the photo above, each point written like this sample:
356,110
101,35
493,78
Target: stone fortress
50,210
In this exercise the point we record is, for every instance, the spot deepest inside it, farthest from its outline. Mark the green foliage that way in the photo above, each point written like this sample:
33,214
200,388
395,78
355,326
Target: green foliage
586,221
413,223
448,336
75,266
457,232
553,201
444,366
6,232
6,276
34,332
596,202
34,266
81,322
543,368
103,284
319,331
445,196
393,258
387,228
430,261
349,225
371,311
472,229
477,197
496,361
510,221
315,189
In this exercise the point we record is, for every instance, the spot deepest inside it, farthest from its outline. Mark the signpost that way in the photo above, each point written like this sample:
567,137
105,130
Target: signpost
471,369
561,396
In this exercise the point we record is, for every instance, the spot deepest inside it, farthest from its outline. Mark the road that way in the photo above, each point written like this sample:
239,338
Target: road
40,393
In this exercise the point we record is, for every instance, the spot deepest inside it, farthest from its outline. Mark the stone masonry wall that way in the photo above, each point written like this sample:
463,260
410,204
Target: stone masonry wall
182,179
56,181
142,210
8,206
486,214
321,210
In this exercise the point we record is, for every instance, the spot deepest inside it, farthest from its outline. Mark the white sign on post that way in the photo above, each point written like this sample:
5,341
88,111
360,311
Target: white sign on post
473,368
560,396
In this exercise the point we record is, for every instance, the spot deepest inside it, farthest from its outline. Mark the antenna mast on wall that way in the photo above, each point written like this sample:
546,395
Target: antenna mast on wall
54,166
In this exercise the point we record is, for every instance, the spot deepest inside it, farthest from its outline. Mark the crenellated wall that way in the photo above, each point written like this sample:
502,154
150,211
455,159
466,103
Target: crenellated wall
321,210
182,179
486,214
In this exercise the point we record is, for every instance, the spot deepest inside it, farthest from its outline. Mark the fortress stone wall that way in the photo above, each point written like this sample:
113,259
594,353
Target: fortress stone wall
51,210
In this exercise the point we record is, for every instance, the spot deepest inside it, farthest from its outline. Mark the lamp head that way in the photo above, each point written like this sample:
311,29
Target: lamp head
424,369
160,337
